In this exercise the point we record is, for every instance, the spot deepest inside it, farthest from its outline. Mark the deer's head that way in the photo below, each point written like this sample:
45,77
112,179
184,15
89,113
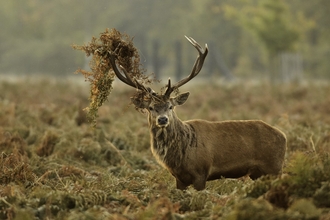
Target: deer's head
160,106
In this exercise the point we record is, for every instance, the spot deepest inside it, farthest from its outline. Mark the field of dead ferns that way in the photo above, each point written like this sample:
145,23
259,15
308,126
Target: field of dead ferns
55,166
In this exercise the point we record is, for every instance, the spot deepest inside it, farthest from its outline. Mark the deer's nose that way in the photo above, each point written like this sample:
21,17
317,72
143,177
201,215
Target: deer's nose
162,120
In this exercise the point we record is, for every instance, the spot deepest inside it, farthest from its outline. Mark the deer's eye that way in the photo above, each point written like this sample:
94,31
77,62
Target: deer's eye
151,108
171,107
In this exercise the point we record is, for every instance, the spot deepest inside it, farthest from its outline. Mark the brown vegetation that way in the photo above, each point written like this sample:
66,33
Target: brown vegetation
110,43
108,172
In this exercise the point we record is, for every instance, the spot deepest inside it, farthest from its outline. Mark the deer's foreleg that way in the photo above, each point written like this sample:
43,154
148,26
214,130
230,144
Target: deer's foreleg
199,183
180,184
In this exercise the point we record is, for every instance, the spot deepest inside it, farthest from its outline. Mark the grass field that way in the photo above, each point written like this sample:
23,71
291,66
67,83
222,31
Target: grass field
55,166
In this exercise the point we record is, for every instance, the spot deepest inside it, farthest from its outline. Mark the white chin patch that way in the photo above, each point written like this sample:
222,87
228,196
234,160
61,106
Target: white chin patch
162,125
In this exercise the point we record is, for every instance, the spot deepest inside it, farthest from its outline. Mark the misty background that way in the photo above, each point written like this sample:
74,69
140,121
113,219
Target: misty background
275,39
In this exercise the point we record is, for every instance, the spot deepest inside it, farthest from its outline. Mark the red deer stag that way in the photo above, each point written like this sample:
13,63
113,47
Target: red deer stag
196,151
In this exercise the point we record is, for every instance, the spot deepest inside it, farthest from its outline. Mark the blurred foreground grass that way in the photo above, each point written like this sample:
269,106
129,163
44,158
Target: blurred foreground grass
55,166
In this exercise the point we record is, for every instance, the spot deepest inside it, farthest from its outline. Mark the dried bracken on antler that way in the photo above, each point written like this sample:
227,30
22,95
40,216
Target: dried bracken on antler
110,43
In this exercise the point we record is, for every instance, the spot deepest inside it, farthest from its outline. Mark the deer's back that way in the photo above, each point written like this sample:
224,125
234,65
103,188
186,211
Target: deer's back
237,145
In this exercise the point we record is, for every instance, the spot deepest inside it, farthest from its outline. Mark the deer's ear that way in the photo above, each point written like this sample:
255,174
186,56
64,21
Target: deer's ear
180,99
140,104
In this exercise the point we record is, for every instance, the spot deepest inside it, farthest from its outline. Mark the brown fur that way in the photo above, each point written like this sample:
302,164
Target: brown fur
196,151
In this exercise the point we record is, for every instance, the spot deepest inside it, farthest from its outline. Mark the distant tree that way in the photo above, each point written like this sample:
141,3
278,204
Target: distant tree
314,19
270,22
273,27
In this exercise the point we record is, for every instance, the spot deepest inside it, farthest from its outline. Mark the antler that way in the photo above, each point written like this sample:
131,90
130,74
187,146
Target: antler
125,79
195,70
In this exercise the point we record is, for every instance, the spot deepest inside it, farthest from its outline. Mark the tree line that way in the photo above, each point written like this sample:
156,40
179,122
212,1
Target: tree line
245,37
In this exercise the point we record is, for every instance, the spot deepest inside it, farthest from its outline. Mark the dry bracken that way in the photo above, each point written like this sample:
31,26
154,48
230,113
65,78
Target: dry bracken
101,77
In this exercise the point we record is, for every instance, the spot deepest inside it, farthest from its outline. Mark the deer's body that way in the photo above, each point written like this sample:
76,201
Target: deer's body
196,151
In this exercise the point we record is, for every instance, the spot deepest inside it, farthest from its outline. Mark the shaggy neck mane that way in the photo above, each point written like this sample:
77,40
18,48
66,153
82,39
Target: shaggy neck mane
169,144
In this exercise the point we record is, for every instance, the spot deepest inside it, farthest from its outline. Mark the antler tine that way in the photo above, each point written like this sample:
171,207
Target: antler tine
195,70
128,80
201,55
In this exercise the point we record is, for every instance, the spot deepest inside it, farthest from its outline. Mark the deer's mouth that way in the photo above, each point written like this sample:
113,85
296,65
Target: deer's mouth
162,125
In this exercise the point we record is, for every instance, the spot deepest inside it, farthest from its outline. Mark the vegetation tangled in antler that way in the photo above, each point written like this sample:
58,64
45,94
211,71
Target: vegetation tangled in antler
110,43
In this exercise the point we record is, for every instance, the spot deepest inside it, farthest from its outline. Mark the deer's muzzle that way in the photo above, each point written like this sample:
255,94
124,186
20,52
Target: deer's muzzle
162,121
